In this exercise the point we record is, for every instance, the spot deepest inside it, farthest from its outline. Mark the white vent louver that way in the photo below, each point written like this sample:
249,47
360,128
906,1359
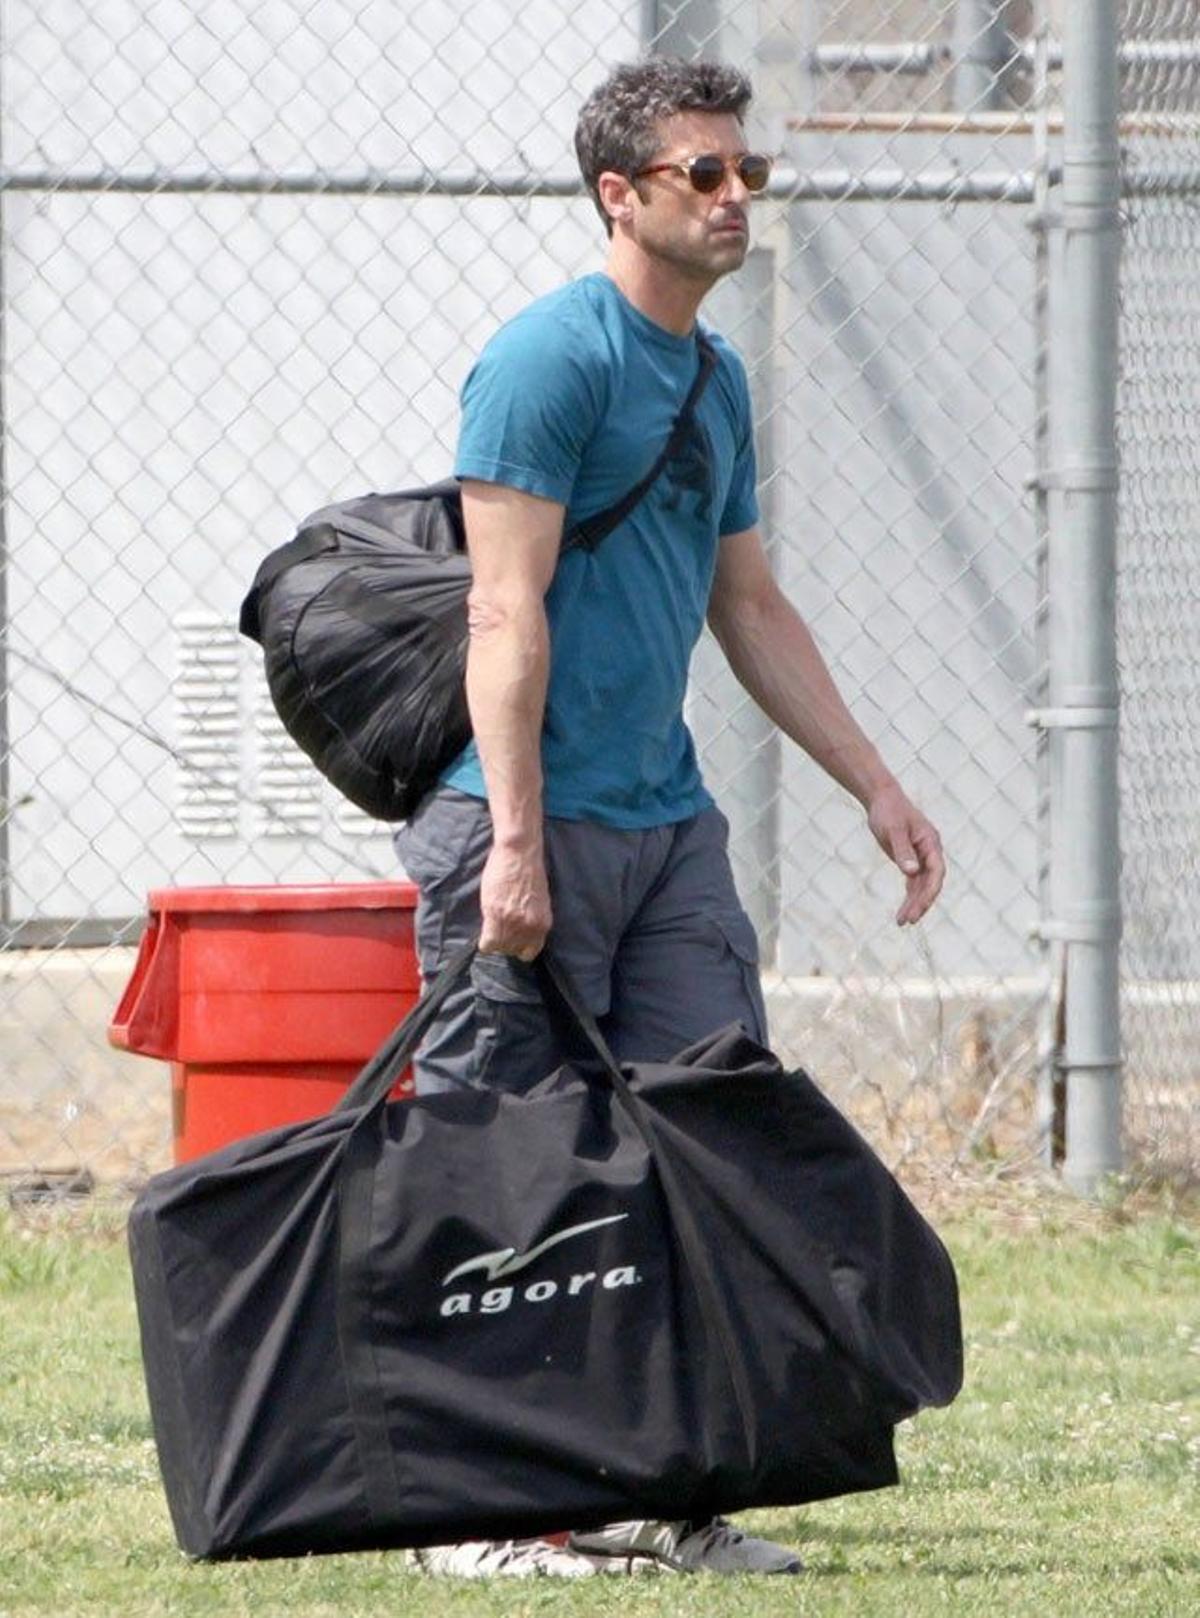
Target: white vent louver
207,725
353,823
288,799
232,750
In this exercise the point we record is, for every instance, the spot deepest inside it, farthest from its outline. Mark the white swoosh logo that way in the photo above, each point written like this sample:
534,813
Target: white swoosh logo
507,1261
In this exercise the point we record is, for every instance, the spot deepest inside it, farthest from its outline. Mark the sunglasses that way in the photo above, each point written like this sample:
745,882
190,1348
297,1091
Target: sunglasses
707,171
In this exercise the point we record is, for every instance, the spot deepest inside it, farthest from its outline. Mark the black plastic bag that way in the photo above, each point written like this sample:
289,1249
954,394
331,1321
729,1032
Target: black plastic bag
363,623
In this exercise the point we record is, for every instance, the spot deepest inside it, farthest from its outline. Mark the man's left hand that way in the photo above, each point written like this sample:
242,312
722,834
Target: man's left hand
907,837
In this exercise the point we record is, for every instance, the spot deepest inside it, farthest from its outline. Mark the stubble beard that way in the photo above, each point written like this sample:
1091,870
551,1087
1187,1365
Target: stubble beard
701,262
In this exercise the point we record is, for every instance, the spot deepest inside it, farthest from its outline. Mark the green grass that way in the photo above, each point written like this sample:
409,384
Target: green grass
1063,1482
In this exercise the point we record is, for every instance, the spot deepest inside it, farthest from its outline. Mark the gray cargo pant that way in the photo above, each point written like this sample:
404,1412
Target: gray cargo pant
647,924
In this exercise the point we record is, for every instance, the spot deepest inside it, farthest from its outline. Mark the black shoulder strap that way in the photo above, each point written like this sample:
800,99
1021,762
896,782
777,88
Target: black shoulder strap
317,537
379,1074
587,535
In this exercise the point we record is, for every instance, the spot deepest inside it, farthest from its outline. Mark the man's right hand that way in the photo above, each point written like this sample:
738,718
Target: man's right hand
514,899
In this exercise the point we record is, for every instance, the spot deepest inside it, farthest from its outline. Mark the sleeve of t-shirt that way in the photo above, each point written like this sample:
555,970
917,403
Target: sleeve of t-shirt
741,503
530,405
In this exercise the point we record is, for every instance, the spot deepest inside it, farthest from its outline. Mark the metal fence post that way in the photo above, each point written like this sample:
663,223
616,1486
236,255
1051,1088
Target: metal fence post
981,50
739,744
689,28
1042,220
1083,684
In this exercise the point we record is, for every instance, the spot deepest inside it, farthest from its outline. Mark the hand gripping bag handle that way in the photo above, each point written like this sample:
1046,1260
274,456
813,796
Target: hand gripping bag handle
393,1056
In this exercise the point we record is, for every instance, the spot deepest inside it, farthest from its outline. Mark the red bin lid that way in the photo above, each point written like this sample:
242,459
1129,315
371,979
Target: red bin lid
242,898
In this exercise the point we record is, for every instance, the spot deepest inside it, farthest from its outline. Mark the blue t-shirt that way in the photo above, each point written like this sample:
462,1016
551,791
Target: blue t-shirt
574,400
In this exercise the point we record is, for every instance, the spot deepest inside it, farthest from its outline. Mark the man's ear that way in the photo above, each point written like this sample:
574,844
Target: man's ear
616,196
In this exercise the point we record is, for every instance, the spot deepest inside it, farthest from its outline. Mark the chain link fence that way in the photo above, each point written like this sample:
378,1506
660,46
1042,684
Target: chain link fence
1159,612
247,258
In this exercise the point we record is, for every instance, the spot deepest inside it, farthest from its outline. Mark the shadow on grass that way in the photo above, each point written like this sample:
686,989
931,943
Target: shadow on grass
816,1534
946,1552
983,1568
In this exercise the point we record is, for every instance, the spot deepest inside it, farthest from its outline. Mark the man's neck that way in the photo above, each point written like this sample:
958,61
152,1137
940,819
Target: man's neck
657,290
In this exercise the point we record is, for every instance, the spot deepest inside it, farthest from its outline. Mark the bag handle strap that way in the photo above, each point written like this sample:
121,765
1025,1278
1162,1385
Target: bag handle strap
587,535
384,1483
393,1056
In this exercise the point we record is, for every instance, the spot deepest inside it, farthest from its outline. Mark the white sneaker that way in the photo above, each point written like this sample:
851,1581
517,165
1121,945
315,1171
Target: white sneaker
505,1558
715,1546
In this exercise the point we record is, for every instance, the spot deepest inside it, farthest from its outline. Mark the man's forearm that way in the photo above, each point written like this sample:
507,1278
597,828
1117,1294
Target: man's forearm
776,659
508,660
774,656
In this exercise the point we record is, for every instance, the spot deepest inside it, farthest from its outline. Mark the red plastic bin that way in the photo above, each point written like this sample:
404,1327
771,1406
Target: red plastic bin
266,1001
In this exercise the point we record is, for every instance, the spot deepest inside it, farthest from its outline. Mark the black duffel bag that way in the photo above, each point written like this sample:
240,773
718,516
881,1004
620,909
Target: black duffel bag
673,1291
362,619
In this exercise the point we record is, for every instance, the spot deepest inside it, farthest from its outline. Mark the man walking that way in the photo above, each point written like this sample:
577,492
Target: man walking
578,813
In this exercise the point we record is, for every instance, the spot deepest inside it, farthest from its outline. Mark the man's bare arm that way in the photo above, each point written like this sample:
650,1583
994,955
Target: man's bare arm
513,540
774,656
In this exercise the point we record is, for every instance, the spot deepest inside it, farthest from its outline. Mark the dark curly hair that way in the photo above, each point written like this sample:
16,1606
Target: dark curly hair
618,123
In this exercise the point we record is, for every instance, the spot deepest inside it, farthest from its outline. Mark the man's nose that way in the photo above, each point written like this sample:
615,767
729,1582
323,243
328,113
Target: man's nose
732,184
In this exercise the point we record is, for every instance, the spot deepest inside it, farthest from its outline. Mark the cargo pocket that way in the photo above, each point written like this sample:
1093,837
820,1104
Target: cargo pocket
443,849
515,1047
448,836
739,941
